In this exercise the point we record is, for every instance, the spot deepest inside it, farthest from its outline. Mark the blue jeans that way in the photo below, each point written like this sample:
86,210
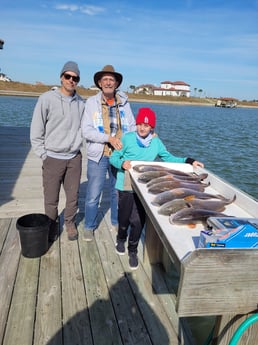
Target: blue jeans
96,175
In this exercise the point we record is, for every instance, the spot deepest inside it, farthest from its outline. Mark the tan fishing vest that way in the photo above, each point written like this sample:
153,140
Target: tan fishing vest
106,124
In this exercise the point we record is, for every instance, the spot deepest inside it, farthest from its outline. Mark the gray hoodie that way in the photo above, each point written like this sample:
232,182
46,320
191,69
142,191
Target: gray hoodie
56,125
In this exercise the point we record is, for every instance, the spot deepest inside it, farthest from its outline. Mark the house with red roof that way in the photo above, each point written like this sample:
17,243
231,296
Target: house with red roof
172,88
167,88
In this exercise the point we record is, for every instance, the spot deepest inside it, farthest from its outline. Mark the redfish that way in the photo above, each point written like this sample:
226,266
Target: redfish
193,216
208,204
178,193
149,175
153,167
172,177
163,186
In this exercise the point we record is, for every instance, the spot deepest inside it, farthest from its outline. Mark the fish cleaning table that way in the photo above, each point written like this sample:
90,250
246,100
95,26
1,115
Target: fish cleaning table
221,282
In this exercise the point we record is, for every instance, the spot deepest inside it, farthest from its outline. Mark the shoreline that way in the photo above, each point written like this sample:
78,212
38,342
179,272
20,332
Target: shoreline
131,98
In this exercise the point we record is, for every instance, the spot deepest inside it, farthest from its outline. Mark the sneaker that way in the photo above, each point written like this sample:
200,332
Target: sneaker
88,235
120,248
72,232
133,261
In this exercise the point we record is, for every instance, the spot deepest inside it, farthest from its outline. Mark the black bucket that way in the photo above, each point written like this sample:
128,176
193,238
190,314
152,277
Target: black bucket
33,229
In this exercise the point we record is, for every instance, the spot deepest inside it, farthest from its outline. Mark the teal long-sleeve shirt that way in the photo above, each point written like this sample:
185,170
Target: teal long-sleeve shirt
133,152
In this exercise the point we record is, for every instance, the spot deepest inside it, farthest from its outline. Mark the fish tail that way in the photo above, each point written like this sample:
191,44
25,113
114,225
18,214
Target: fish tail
229,201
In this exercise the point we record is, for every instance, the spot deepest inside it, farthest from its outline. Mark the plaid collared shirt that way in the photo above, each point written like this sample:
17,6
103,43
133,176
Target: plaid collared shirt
113,119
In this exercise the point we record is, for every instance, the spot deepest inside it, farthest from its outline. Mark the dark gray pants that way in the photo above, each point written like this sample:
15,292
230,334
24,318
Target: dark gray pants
57,172
130,213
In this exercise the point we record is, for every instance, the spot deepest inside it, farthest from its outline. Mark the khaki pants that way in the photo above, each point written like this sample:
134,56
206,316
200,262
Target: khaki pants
57,172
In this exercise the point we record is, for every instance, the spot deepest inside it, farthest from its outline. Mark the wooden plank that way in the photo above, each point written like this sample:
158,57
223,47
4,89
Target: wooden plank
226,327
49,310
8,267
76,329
15,151
4,227
158,283
131,324
153,245
103,320
192,330
163,288
216,282
161,321
20,323
22,191
159,325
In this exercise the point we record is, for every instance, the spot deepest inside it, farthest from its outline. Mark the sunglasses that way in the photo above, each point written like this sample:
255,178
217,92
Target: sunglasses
69,76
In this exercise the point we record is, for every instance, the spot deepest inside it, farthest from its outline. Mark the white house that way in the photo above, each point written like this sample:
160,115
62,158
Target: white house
167,88
146,89
175,88
4,77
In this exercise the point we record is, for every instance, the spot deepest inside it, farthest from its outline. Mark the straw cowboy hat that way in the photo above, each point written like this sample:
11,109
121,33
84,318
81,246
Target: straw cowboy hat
108,69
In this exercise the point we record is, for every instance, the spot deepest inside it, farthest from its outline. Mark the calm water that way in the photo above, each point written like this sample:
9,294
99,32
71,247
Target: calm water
224,139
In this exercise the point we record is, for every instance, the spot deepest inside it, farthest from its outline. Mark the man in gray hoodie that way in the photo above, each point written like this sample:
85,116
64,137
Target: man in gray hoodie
55,135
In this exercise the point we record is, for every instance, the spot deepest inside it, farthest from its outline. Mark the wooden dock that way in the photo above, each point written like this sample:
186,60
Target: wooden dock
78,292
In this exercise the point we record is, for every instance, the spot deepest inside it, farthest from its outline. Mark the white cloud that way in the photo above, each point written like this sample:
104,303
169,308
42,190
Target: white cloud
92,10
86,9
65,7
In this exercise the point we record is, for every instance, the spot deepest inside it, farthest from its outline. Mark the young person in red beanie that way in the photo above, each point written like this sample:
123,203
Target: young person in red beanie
142,145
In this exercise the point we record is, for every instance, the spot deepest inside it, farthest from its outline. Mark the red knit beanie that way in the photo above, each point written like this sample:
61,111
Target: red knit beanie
147,116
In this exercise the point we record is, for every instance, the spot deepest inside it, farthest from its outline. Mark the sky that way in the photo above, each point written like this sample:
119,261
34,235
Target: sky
212,45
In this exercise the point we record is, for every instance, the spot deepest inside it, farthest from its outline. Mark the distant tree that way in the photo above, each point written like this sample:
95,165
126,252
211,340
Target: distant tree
200,92
195,89
132,87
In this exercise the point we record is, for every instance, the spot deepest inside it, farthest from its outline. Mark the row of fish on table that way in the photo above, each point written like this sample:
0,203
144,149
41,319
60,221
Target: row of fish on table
181,195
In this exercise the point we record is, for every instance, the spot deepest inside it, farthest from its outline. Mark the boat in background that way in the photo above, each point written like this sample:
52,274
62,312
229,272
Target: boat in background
226,103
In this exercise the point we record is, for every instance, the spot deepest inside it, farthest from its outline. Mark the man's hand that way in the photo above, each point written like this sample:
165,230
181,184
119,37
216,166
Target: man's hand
115,142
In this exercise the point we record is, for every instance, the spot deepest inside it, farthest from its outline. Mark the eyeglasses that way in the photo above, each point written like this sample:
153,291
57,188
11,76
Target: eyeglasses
69,76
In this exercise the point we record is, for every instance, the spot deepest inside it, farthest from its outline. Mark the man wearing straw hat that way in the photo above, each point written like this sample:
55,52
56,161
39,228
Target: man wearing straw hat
107,116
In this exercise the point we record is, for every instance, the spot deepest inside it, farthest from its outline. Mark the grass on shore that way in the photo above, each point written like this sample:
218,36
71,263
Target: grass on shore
40,88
